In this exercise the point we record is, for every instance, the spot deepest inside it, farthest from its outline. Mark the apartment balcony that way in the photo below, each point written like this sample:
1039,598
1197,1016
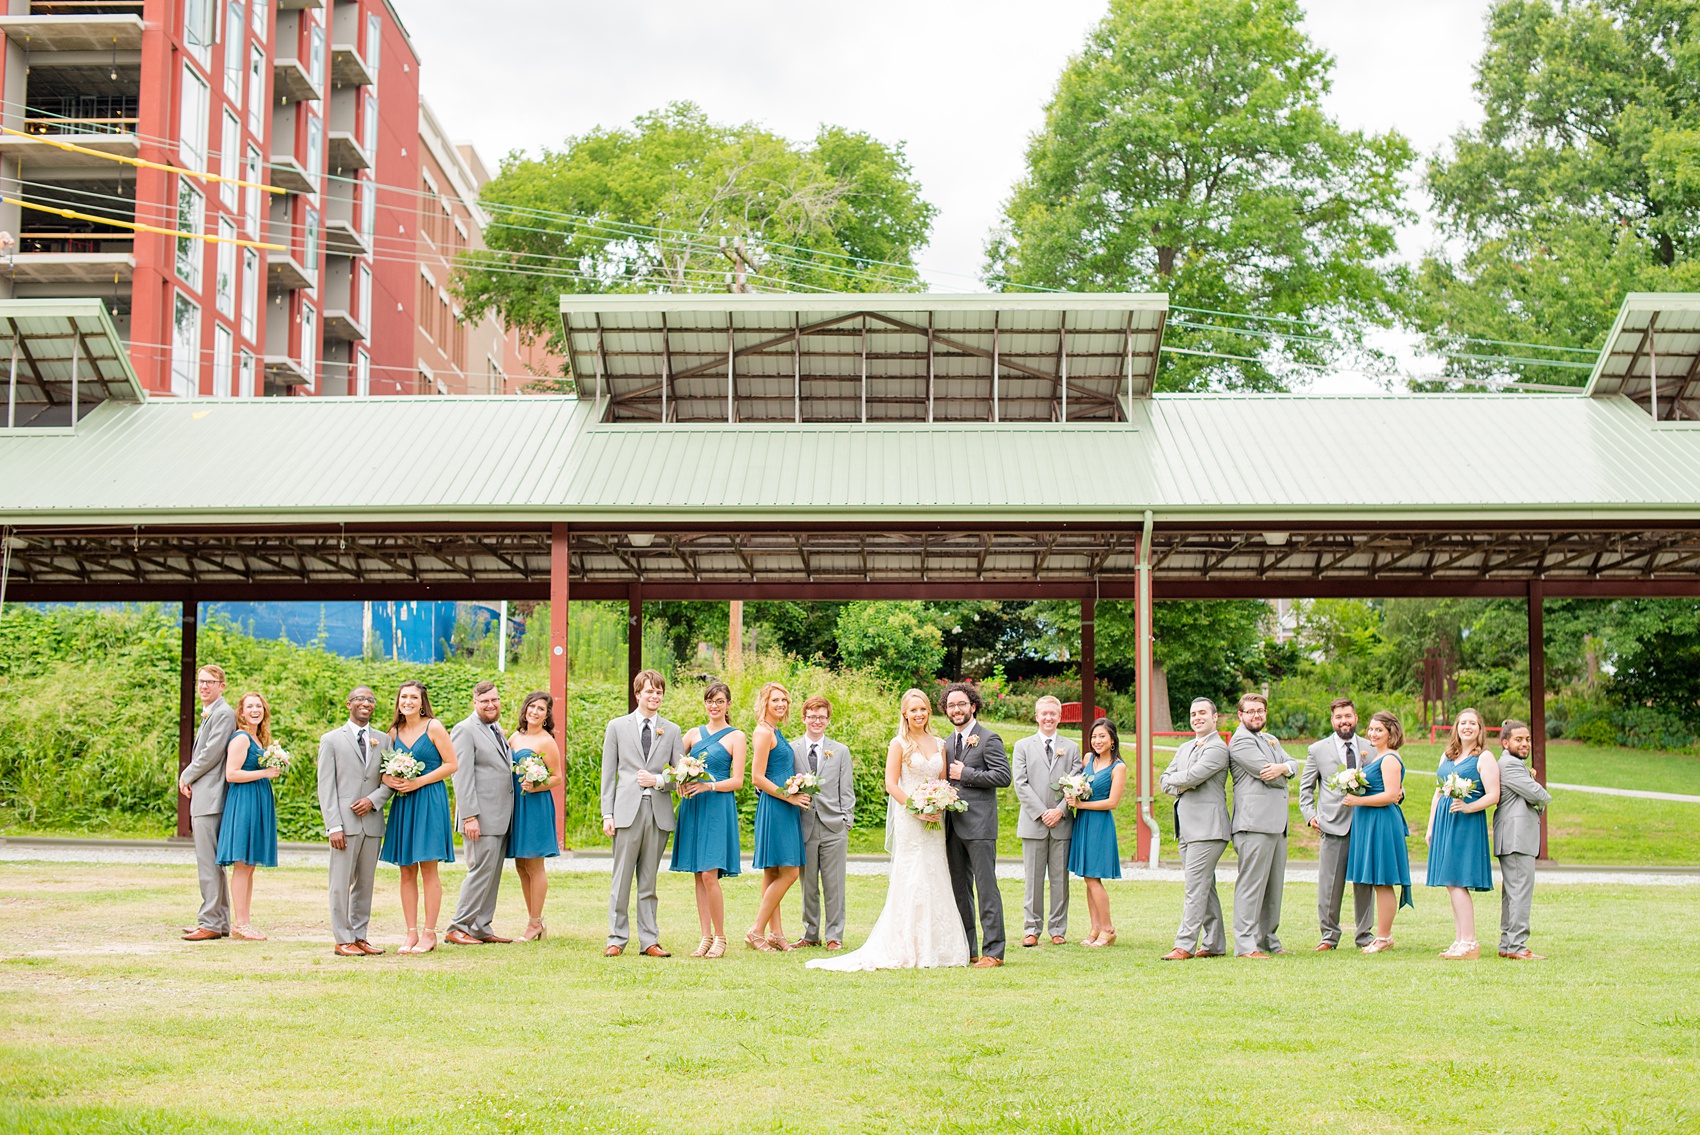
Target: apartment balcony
48,136
283,372
344,153
44,30
295,5
75,269
342,239
342,326
290,175
292,81
284,273
348,69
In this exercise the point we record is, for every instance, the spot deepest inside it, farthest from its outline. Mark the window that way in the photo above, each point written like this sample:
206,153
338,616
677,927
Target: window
191,209
230,161
234,56
193,144
254,193
369,135
225,285
374,40
316,63
310,247
315,149
427,304
368,208
257,14
222,344
310,346
185,348
364,314
245,376
362,374
198,20
250,294
498,378
257,89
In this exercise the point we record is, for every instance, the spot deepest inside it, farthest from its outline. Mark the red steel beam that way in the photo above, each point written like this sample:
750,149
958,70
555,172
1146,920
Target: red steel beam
558,611
186,707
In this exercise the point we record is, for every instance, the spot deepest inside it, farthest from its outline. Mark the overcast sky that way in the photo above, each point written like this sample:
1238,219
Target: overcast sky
962,84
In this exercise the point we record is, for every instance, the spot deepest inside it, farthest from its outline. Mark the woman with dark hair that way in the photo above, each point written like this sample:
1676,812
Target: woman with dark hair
1459,856
1093,853
247,836
706,843
1377,856
419,834
531,833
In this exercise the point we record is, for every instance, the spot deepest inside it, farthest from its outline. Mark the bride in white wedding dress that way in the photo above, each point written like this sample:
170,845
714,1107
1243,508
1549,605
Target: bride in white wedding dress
920,926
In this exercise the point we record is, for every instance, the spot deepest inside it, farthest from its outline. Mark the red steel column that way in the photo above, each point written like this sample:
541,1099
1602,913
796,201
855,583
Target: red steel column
186,708
1088,672
634,640
559,563
1538,695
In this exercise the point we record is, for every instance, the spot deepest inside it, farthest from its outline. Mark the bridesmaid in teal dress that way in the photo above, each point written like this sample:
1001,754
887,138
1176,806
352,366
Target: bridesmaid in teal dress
531,833
1459,857
1093,853
779,819
705,841
1377,856
247,835
419,834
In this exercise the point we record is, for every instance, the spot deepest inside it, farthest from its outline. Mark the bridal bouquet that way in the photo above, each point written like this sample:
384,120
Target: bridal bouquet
532,769
403,766
806,783
689,768
1457,787
1348,782
276,756
934,798
1074,787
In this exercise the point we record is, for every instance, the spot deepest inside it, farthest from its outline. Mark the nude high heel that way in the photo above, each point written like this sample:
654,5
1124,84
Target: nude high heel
535,931
422,948
247,933
758,942
717,948
702,947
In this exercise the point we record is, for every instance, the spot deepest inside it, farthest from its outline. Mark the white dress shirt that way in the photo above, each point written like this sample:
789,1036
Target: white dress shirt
357,731
640,717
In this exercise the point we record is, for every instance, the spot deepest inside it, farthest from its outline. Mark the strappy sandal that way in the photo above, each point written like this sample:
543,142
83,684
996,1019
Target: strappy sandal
247,934
422,948
702,946
780,943
1377,945
1464,951
717,949
758,942
1108,938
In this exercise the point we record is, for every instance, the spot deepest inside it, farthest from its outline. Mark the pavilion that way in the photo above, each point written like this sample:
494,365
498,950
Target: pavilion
852,447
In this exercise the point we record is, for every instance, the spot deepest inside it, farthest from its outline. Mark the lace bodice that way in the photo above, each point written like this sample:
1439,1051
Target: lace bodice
919,767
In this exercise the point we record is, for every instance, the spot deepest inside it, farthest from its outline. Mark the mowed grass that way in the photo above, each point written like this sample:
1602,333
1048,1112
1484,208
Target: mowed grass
109,1024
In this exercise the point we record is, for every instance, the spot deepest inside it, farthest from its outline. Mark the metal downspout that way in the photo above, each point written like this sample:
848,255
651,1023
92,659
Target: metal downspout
1142,663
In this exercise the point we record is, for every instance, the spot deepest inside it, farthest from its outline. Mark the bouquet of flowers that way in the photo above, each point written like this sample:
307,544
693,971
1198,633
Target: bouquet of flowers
689,768
1074,786
403,766
276,756
1348,782
934,798
806,783
1457,787
532,769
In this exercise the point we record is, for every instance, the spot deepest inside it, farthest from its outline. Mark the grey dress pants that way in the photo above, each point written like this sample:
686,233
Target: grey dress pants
637,853
1201,912
214,880
1257,890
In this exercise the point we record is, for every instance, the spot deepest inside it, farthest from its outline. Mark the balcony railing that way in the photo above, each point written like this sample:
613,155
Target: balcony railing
56,124
75,242
86,8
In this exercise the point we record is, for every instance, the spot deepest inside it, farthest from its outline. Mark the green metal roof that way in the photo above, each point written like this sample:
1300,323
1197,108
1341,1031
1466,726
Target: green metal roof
1656,337
62,355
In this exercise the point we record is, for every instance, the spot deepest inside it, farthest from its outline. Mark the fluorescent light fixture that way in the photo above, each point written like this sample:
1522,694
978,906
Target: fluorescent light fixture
641,539
1274,539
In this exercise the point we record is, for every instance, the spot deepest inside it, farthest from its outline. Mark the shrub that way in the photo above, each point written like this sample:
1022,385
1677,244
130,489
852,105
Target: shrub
891,640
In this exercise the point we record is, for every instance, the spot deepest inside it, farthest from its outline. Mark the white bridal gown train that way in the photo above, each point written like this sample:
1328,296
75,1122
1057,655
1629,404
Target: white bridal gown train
920,926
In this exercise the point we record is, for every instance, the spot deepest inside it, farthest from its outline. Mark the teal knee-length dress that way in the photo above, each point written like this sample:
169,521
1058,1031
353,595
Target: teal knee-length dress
531,833
248,831
419,829
779,826
706,838
1458,851
1093,852
1377,856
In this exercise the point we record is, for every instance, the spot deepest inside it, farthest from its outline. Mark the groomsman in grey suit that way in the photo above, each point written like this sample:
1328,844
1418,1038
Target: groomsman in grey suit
637,811
1517,840
351,800
202,781
1044,824
826,826
1198,780
1325,810
1261,770
484,803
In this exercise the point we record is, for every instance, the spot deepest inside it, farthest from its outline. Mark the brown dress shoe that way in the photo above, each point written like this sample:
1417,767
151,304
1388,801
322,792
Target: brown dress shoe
1030,940
1253,954
496,940
802,942
1526,955
367,948
987,962
656,951
613,951
202,934
461,938
1058,940
1321,947
834,944
1175,955
348,950
1206,954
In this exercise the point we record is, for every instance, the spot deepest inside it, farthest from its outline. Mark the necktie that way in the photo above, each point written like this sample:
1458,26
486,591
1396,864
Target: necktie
646,738
360,739
501,742
1351,754
1049,754
814,758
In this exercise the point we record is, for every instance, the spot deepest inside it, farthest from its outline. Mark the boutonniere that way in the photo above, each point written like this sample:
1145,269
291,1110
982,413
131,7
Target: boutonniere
973,739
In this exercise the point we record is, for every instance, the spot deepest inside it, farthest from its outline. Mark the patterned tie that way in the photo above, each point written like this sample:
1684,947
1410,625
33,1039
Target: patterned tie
1351,754
814,758
501,741
1049,755
646,738
360,739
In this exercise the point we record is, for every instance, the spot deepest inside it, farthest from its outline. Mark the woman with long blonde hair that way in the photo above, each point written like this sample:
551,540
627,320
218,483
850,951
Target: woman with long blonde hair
1459,857
779,817
920,925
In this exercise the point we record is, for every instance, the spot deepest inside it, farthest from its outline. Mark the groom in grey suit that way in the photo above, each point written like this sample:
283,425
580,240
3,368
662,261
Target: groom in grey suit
1325,810
484,803
826,826
202,781
1044,825
1198,780
1261,770
977,763
1517,840
637,811
351,801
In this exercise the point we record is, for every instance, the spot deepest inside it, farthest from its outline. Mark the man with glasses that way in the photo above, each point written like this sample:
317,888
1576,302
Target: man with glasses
202,781
977,766
1261,770
826,826
351,801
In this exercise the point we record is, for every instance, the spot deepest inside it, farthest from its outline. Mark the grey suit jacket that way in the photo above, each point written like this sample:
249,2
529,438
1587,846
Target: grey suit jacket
1033,777
623,759
1258,807
205,772
484,777
1315,798
1517,822
834,808
1198,780
344,778
985,769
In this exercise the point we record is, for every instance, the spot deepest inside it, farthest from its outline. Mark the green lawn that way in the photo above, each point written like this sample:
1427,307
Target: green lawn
109,1024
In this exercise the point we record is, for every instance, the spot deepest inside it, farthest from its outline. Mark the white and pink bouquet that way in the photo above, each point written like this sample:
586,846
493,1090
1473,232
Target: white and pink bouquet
690,768
1457,787
806,783
532,769
276,756
1348,782
935,798
1075,786
403,766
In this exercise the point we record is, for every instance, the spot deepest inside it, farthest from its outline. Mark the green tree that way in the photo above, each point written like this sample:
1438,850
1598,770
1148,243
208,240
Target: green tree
892,639
1582,183
1186,151
678,203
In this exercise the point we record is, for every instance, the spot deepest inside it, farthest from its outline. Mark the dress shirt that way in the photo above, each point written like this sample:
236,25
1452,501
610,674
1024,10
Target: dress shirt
638,716
963,734
1340,748
818,744
356,731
